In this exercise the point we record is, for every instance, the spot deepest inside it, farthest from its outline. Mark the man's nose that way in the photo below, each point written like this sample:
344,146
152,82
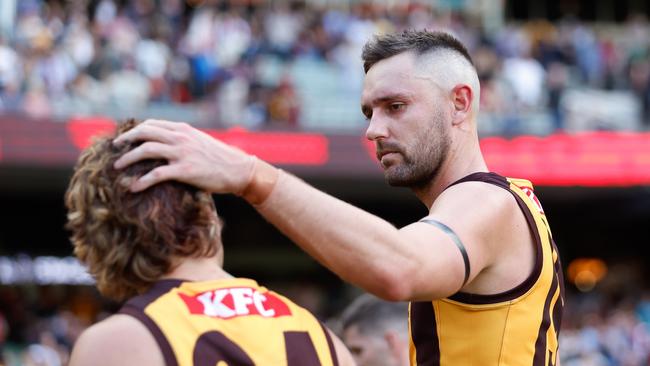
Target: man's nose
377,129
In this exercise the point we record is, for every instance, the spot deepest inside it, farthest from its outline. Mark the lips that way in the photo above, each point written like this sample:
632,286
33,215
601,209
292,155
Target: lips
384,153
384,148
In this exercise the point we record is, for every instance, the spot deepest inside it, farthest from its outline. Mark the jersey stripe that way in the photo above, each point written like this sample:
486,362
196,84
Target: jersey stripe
425,333
540,344
330,345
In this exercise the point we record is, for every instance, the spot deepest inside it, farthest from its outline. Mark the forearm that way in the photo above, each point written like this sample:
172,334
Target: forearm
361,248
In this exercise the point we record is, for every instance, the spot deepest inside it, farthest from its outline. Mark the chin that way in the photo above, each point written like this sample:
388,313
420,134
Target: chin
396,180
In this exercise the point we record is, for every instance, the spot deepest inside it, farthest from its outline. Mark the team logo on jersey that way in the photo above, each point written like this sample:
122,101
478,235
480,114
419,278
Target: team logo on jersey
531,195
226,303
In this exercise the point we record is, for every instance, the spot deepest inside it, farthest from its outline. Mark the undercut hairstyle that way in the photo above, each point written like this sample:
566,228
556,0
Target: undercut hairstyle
373,316
129,240
419,42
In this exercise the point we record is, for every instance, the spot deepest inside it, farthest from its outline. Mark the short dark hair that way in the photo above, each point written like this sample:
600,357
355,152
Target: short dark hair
373,315
129,240
388,45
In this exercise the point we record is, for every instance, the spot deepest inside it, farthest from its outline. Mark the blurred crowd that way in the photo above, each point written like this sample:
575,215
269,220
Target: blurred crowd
295,64
599,333
39,324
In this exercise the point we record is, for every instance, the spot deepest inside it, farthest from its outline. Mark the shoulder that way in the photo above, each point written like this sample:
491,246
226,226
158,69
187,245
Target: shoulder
483,215
107,343
480,195
476,207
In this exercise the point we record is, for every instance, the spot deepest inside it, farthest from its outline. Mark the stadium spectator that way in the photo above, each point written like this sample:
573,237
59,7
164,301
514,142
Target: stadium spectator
187,54
376,331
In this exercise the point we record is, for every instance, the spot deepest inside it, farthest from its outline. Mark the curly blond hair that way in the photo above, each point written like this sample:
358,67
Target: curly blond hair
129,240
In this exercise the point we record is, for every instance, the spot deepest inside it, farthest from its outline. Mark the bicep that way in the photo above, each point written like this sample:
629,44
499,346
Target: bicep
436,268
448,256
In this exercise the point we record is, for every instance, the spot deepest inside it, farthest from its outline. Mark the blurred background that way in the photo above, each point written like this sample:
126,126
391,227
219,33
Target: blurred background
565,102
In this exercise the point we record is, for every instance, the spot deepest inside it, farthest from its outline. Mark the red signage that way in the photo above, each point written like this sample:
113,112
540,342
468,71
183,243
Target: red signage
279,147
588,159
83,130
605,159
274,147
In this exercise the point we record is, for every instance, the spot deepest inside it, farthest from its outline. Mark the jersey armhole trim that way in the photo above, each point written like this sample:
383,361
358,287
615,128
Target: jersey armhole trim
161,340
330,345
447,230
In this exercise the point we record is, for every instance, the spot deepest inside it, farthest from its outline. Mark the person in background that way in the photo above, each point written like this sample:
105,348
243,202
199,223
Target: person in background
376,331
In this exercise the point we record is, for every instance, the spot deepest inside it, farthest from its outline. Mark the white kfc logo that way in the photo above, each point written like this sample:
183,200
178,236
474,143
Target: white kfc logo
244,301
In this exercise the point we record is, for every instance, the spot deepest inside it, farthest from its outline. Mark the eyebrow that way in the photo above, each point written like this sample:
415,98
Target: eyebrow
385,98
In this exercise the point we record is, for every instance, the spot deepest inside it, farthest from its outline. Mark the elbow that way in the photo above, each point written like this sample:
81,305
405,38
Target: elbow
394,284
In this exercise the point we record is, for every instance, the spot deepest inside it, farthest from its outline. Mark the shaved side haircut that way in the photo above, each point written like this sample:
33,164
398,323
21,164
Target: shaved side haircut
420,42
442,58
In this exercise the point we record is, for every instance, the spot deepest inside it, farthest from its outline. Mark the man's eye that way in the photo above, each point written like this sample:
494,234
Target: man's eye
355,350
394,107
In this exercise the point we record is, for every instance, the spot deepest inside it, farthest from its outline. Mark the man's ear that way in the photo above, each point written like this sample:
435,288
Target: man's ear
462,97
397,346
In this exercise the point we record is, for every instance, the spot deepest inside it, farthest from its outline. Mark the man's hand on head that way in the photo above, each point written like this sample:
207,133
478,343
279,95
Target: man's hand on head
193,157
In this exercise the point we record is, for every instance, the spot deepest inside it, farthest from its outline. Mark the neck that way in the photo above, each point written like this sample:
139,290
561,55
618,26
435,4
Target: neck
460,162
199,269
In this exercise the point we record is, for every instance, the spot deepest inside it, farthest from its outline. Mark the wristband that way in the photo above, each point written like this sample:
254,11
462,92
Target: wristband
262,182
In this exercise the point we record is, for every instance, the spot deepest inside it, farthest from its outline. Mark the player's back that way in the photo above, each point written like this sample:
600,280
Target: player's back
232,321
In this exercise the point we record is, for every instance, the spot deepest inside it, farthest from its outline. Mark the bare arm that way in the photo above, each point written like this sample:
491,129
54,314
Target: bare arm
117,341
365,249
415,263
418,262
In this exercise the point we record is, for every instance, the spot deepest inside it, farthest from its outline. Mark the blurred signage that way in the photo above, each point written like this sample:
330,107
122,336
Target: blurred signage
587,159
83,130
614,159
276,147
279,147
23,269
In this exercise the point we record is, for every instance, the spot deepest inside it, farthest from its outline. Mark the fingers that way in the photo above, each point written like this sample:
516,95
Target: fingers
168,125
151,130
148,150
160,174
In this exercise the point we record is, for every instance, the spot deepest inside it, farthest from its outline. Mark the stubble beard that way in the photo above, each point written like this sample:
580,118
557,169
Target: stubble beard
421,165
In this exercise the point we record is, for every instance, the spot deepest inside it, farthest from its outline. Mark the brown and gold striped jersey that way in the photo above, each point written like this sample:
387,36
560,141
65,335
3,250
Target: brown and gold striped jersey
516,327
230,322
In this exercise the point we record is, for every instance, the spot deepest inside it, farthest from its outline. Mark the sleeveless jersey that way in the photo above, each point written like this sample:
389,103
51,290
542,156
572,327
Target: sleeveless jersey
232,322
513,328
